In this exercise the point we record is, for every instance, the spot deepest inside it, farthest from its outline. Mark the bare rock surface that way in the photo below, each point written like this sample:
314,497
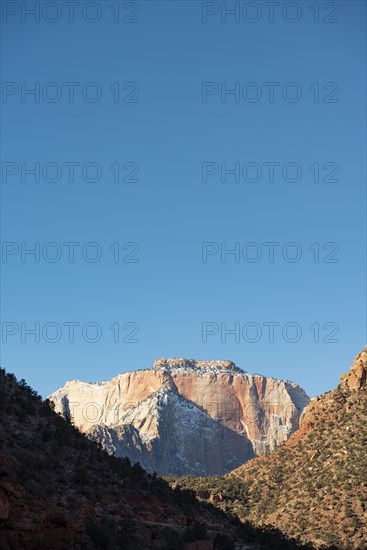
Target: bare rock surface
184,416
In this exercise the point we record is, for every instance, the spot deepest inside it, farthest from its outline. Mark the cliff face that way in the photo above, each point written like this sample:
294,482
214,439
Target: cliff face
184,416
356,378
175,437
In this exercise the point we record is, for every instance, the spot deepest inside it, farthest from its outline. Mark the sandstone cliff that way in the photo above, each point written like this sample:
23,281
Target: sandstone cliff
356,378
181,438
184,416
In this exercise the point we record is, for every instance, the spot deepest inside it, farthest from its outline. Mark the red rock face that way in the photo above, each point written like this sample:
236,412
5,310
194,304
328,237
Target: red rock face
356,378
245,403
262,410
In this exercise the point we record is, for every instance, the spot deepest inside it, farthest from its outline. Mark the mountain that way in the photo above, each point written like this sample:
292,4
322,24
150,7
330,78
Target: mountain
60,491
184,416
314,487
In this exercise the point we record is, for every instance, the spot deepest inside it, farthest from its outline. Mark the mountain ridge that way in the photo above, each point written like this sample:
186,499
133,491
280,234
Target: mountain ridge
262,411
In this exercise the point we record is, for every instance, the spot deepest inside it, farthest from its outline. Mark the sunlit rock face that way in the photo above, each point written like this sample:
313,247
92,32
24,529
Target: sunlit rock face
184,416
356,377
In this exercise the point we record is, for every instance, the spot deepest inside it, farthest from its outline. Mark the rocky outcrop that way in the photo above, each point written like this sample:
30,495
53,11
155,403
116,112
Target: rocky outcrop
356,378
184,416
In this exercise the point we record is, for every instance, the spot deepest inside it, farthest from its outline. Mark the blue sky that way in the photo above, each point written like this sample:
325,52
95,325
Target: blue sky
169,132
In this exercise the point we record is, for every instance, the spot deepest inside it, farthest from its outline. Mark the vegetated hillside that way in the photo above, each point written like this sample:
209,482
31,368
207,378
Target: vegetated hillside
314,487
59,490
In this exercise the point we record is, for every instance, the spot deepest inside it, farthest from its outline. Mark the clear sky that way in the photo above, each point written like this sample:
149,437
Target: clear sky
149,97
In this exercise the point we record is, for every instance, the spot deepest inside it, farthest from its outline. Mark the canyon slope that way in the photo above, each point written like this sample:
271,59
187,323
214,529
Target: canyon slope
315,486
184,416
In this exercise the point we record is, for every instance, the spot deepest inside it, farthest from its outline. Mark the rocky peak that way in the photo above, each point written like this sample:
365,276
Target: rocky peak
211,404
356,378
